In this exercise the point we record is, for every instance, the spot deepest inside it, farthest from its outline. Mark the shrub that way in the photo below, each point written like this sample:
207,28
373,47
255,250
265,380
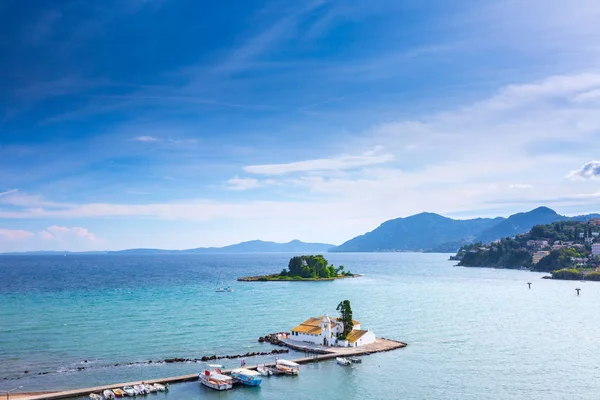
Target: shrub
593,276
568,274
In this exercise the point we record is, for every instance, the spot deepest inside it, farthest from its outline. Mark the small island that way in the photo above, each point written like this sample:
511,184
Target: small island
305,268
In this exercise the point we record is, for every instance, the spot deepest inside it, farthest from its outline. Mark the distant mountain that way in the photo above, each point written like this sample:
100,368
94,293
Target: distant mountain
253,246
420,232
259,246
435,233
520,223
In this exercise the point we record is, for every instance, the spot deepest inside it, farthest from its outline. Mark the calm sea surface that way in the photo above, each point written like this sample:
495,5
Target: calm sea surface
472,333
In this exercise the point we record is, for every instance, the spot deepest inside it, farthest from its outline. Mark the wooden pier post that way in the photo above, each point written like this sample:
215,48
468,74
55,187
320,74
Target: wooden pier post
529,284
578,289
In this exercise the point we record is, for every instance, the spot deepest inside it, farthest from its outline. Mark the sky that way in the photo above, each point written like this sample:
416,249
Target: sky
180,124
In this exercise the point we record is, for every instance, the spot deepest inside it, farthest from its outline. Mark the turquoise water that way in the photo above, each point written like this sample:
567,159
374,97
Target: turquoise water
472,333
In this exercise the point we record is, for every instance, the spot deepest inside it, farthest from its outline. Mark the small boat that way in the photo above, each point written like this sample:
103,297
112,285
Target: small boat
108,394
246,377
94,396
119,393
129,391
161,387
287,367
355,360
150,388
215,380
224,289
142,388
215,366
343,361
264,371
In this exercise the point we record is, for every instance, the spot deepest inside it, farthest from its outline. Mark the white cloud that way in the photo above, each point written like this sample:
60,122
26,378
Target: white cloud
237,183
66,235
323,164
589,170
8,192
146,139
15,234
520,186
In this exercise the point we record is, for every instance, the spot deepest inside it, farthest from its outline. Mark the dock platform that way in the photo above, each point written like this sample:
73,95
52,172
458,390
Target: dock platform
320,354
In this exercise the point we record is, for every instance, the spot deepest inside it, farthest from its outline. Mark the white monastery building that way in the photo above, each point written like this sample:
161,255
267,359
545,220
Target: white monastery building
323,331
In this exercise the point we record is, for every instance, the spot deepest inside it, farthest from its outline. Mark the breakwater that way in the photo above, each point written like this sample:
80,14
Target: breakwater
380,345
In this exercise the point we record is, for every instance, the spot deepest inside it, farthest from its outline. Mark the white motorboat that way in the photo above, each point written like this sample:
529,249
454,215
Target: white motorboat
355,360
94,396
140,388
150,388
287,367
108,394
343,361
129,391
263,370
161,387
215,380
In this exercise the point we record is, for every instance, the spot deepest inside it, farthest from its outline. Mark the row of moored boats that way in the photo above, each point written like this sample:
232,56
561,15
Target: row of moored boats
133,390
214,379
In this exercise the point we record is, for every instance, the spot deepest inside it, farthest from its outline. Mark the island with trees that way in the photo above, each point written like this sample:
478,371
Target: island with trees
563,248
305,268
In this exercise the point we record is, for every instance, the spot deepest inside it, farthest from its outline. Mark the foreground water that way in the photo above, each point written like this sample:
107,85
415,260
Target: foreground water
472,333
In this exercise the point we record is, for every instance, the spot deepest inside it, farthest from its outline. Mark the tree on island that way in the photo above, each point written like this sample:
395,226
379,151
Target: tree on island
346,318
315,267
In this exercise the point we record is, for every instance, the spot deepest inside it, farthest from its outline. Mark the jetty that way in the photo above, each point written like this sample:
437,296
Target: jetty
320,353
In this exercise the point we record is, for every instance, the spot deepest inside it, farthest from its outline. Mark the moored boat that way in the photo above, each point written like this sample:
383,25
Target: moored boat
129,391
108,394
287,367
150,388
246,377
94,396
160,387
141,389
264,371
343,361
355,360
215,380
118,392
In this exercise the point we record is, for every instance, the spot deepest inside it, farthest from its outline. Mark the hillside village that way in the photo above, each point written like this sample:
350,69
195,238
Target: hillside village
545,248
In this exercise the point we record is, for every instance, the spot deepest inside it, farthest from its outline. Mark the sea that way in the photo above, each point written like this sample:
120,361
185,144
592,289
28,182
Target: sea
473,333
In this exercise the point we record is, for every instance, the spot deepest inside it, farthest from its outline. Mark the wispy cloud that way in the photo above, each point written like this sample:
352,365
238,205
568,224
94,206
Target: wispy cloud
8,192
322,164
146,139
237,183
15,234
589,170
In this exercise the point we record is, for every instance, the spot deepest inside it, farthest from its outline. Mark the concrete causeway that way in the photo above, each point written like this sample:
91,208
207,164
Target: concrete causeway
321,353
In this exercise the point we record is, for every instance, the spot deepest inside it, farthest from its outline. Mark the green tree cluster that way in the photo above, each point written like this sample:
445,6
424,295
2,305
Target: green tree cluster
558,259
568,274
313,267
346,318
507,253
593,276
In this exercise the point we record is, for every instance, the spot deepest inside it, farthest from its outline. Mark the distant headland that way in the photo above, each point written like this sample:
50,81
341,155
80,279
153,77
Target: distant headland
305,268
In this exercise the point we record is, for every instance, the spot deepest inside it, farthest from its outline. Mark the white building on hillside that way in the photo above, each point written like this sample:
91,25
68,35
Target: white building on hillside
323,331
596,249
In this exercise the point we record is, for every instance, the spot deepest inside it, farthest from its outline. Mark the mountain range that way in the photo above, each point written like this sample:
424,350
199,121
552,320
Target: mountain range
426,232
435,233
253,246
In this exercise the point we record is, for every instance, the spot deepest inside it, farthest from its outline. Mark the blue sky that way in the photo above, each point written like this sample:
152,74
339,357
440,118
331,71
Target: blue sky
178,124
